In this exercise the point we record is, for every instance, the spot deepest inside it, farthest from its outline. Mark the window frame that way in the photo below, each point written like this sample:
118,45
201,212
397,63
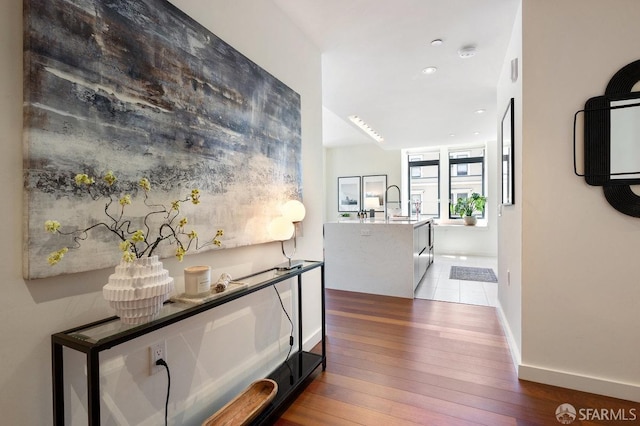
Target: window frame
466,160
423,163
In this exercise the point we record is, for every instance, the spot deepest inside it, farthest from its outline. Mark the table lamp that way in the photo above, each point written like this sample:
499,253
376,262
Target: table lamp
371,204
283,228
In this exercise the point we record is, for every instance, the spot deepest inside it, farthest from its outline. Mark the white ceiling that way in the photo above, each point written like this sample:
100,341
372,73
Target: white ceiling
373,53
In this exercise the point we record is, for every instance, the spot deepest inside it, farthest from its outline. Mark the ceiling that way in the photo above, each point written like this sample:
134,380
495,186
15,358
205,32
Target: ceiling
373,54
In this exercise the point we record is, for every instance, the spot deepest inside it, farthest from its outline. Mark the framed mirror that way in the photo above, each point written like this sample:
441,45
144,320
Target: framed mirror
611,140
612,129
507,133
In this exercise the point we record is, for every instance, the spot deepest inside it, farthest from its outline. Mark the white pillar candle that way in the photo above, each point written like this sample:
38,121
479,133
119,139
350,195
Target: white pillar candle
197,280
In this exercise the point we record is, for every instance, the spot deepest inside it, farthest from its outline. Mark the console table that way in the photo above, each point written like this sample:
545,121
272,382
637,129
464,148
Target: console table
96,337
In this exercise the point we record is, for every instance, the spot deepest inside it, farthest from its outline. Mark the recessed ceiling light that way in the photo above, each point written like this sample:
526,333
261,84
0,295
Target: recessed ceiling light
480,111
429,70
452,134
467,52
366,128
436,42
476,133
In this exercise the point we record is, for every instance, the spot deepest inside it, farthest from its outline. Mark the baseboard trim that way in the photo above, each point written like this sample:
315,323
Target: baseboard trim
627,391
574,381
516,358
312,340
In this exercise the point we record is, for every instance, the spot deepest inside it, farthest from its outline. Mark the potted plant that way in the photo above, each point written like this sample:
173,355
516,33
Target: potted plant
466,207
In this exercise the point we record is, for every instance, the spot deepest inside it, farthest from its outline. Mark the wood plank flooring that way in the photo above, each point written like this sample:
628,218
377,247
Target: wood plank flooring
393,361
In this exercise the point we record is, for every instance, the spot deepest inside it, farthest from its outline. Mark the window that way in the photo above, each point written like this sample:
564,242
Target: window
461,169
426,166
424,183
416,172
466,175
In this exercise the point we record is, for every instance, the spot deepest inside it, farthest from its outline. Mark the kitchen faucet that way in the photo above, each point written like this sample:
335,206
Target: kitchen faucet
386,199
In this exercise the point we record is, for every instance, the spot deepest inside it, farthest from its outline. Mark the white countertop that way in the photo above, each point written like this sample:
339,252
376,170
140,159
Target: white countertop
376,221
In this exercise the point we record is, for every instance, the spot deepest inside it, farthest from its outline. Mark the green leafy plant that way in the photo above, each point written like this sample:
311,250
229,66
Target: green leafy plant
137,237
469,205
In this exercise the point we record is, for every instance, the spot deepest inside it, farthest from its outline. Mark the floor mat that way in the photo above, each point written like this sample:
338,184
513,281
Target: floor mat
473,274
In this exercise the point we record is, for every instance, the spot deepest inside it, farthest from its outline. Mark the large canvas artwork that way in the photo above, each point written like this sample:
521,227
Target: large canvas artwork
140,88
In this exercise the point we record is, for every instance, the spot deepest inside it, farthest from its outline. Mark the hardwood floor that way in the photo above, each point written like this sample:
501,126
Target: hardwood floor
393,361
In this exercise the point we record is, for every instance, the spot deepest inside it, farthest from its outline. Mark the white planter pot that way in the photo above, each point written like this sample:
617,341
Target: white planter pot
470,220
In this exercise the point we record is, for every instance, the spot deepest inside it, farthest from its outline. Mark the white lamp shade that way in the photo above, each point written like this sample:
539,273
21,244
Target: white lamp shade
294,211
280,229
371,203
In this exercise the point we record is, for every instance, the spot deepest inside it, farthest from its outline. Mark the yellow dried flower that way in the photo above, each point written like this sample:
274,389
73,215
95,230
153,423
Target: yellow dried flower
110,178
145,184
128,257
180,253
57,256
52,226
137,244
138,236
195,196
126,199
82,178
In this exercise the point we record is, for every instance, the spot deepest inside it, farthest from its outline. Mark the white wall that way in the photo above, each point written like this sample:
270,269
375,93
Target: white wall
479,240
211,356
580,288
510,217
450,236
359,160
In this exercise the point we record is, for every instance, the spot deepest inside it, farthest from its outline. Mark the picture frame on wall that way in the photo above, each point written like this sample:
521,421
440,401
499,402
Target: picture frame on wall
507,143
349,188
373,192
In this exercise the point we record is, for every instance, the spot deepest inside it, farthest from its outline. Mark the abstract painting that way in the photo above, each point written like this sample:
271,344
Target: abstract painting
139,88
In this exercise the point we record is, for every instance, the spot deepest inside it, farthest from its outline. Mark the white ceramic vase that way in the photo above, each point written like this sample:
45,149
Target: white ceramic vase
138,289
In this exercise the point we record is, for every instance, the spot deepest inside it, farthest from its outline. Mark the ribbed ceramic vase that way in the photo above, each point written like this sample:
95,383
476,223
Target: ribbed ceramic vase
138,289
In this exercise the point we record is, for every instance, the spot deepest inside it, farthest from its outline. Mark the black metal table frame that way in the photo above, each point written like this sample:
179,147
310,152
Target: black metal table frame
92,350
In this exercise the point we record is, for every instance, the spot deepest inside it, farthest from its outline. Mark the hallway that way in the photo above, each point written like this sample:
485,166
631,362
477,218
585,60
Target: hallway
398,361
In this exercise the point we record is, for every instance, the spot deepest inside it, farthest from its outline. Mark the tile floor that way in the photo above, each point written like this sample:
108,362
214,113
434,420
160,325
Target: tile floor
436,284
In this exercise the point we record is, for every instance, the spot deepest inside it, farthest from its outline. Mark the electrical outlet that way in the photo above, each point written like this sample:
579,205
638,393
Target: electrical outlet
156,352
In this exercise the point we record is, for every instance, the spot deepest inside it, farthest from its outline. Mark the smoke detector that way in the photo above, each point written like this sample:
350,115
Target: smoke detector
467,52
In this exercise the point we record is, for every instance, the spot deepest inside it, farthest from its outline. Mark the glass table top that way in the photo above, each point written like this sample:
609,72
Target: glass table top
173,310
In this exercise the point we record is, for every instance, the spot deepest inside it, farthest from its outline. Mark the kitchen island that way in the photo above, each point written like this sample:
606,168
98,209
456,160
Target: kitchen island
386,257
